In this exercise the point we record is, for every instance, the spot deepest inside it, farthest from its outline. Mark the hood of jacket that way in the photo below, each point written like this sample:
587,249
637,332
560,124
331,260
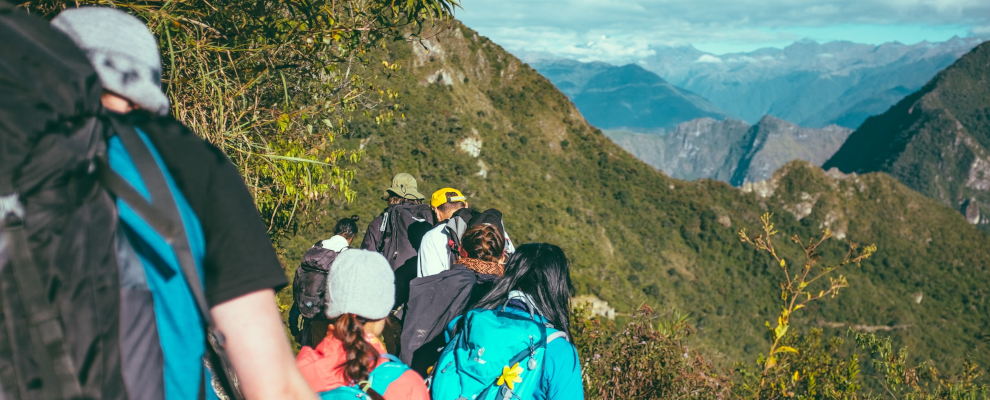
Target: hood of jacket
321,366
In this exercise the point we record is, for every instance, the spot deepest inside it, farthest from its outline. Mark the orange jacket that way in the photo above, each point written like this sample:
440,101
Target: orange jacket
320,368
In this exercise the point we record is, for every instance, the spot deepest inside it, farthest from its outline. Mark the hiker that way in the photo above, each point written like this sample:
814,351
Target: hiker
438,248
494,218
306,320
351,359
398,231
136,285
521,333
436,300
403,191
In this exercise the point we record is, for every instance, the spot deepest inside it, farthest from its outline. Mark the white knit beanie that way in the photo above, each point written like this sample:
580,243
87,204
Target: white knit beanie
122,50
362,283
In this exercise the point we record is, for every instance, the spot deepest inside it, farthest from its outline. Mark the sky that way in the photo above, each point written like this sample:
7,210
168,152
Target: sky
619,31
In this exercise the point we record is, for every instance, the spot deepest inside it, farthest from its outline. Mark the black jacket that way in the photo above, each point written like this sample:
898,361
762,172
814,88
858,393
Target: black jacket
434,301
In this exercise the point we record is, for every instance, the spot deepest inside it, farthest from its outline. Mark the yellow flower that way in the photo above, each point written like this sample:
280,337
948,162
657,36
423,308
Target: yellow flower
510,376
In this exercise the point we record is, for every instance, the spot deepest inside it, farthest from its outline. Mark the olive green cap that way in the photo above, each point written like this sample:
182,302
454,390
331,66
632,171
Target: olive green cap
404,185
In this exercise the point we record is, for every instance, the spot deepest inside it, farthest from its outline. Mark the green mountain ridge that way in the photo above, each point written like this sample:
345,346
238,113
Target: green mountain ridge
935,140
478,119
731,151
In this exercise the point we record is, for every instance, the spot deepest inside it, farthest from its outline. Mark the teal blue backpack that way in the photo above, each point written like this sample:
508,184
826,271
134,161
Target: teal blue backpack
495,355
380,379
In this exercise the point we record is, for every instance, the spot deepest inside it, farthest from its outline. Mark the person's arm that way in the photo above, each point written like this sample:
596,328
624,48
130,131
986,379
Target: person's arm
372,235
433,258
258,348
562,376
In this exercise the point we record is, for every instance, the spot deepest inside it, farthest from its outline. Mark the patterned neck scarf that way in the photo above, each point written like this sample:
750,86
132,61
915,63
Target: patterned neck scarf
482,267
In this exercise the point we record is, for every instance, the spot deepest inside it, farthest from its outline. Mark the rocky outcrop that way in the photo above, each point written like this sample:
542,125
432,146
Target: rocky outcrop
730,150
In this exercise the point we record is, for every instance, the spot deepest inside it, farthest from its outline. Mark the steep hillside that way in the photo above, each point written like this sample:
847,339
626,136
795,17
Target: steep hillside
808,83
478,119
627,97
935,140
731,151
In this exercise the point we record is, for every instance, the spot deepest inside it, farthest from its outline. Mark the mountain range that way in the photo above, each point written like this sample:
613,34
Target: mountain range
806,83
729,150
936,140
476,118
627,97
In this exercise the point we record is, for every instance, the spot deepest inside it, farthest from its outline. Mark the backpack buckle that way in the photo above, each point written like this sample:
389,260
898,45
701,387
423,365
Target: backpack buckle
10,206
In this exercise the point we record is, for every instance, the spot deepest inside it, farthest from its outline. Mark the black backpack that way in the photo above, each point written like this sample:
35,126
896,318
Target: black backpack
60,283
403,227
309,286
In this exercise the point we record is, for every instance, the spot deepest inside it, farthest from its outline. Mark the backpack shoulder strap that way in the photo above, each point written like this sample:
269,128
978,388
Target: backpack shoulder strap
557,335
386,373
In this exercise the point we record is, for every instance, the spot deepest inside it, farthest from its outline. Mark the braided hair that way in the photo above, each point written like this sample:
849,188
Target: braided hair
362,357
483,242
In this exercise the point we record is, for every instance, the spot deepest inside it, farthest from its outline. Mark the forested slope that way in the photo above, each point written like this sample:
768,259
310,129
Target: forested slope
475,118
936,140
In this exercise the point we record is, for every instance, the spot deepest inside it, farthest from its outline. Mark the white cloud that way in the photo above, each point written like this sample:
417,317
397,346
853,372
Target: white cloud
618,32
708,58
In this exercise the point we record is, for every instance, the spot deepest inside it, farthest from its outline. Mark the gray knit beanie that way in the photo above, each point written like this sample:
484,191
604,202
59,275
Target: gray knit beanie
360,282
122,50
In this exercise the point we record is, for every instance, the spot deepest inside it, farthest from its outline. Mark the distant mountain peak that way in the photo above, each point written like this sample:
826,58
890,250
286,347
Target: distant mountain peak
936,140
731,150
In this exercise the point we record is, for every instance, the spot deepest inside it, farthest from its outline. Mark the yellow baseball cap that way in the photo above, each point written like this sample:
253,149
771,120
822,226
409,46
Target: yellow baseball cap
446,195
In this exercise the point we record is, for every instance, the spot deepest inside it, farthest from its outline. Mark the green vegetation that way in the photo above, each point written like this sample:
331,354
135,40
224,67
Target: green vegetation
462,112
272,83
636,236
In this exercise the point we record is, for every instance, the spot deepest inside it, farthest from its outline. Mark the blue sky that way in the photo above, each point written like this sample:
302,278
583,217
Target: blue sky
624,31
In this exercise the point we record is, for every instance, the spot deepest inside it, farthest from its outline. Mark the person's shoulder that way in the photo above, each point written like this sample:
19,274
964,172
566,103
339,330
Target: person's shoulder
171,136
409,385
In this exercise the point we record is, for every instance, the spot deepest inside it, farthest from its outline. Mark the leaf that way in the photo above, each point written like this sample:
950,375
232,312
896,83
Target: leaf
783,264
796,376
785,349
771,362
283,122
798,307
779,331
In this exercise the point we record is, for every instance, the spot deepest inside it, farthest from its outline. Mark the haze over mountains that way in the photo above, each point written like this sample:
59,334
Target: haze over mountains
731,151
806,83
628,97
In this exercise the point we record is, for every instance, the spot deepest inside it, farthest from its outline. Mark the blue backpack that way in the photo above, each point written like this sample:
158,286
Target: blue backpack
496,354
379,381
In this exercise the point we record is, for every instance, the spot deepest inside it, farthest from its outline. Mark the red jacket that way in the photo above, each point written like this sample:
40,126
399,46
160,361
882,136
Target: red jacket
320,368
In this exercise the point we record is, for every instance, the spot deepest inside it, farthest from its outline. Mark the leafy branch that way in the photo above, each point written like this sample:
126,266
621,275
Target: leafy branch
799,284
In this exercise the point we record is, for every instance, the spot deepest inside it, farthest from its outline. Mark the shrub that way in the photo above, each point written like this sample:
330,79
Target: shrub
641,361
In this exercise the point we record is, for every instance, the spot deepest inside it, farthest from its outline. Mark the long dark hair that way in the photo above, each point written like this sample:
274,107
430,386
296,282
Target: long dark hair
542,271
362,358
346,227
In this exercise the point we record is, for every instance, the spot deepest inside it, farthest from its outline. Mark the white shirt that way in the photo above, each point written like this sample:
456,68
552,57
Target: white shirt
434,255
336,243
